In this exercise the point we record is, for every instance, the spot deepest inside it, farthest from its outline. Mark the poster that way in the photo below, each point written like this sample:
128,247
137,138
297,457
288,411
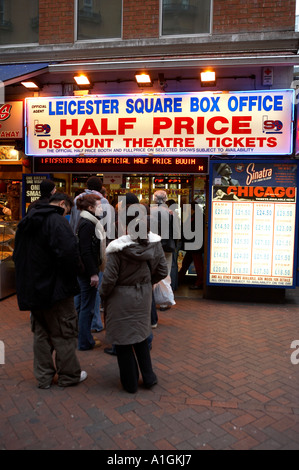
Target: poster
11,120
31,189
164,124
253,215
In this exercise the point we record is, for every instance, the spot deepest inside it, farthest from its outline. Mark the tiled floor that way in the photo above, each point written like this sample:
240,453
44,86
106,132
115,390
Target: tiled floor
226,381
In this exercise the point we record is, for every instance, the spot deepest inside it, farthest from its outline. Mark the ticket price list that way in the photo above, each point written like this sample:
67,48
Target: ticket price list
252,242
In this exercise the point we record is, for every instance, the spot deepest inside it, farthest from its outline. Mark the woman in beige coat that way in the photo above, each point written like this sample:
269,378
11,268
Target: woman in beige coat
133,264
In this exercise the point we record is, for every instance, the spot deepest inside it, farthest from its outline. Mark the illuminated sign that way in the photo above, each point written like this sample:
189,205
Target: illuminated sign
254,122
31,189
180,165
11,120
253,213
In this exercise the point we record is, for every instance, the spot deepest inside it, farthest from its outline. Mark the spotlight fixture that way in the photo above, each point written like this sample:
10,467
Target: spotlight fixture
32,86
82,81
143,79
208,78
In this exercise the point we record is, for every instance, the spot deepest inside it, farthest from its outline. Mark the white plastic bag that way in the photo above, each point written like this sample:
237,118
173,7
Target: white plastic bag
163,293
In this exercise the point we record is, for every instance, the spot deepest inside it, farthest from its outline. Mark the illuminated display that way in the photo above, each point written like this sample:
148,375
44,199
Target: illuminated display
168,124
183,165
252,238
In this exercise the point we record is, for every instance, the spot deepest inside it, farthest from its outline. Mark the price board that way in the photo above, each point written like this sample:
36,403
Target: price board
253,223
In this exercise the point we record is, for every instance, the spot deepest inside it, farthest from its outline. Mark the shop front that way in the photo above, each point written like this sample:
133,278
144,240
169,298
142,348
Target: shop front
12,166
178,142
12,159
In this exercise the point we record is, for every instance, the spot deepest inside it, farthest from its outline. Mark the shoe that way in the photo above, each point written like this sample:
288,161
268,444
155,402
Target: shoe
45,387
155,381
83,376
163,309
97,343
110,351
155,325
97,331
196,287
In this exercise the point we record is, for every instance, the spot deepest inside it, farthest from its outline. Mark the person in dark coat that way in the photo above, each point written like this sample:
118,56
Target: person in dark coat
91,251
133,264
47,261
195,254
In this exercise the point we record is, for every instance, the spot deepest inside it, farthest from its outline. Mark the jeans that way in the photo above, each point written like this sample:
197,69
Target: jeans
97,320
84,303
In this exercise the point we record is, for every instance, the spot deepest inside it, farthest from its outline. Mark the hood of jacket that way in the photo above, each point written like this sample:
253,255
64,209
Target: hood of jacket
132,249
36,216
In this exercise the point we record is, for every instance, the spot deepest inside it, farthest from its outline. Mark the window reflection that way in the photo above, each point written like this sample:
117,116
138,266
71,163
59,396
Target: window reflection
99,19
18,21
185,17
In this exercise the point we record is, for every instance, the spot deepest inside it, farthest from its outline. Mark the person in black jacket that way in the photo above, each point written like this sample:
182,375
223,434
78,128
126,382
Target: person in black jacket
47,261
90,249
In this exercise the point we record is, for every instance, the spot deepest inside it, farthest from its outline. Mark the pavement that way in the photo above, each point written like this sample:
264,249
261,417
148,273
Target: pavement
226,381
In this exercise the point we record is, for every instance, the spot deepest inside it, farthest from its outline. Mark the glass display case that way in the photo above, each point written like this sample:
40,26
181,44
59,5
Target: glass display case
7,267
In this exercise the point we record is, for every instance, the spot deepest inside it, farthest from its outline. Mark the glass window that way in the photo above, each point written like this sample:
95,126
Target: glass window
18,21
185,17
99,19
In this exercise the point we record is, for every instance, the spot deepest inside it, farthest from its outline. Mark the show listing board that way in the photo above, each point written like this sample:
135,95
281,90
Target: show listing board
253,215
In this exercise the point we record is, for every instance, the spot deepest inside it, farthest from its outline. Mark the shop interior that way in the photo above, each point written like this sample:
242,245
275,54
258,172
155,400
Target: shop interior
181,189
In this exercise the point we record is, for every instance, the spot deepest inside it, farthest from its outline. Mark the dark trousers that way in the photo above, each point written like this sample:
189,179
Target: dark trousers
56,329
131,356
154,314
196,257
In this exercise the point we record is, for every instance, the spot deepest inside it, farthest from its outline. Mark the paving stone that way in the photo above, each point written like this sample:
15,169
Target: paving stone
225,381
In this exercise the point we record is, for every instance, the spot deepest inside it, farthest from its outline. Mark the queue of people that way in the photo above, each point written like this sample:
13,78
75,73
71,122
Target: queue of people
63,267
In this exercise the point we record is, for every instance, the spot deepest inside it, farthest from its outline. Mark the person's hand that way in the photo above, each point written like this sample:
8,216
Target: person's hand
94,280
6,211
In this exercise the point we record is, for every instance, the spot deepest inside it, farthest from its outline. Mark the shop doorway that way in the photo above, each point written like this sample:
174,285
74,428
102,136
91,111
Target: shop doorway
181,190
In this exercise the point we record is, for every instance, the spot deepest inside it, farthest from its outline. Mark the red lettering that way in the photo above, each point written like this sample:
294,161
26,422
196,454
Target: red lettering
104,128
89,127
5,112
241,124
212,122
200,125
161,124
125,123
183,123
73,127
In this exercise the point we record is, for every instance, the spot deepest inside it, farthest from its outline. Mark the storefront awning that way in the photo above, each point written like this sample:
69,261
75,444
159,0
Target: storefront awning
13,73
179,62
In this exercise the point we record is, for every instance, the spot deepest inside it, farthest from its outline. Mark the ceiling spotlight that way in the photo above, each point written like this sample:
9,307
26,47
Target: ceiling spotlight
33,86
208,78
82,80
143,79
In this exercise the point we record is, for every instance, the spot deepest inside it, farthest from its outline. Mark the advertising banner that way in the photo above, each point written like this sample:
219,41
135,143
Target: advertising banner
31,189
248,123
11,120
253,214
